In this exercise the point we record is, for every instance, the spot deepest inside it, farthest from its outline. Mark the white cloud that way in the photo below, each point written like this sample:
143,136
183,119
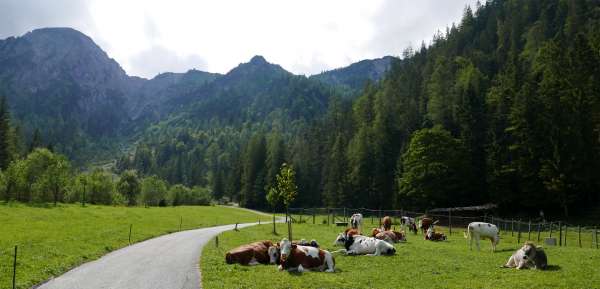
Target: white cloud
304,36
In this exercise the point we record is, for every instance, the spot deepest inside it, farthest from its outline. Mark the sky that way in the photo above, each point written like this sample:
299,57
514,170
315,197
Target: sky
148,37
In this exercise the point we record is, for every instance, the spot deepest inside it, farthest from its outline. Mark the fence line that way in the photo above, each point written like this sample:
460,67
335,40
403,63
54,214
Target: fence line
340,216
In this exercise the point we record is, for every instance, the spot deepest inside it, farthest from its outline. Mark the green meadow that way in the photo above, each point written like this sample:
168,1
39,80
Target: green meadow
417,264
51,240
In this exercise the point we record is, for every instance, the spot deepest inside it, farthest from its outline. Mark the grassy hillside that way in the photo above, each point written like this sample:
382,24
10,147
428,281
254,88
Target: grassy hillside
417,264
53,240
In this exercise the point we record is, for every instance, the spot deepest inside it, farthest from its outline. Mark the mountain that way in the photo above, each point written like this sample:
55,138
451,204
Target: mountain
353,78
58,81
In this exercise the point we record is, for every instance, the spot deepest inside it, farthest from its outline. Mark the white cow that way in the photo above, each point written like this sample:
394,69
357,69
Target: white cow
356,221
481,230
363,245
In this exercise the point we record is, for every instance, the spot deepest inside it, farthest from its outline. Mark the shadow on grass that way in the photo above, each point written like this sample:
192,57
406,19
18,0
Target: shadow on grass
507,250
553,268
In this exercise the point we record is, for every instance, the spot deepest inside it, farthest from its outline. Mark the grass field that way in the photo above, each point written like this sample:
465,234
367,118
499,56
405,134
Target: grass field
417,264
53,240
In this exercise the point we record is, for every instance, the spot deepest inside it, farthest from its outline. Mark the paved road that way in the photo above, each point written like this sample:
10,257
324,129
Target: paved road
169,261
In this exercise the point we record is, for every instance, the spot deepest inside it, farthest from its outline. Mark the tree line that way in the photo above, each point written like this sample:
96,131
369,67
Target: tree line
40,175
502,107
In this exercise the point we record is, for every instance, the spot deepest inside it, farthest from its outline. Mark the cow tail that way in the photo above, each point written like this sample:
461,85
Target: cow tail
468,233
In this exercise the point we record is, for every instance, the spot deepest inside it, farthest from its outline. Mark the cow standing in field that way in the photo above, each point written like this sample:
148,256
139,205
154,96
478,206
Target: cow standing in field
481,230
297,258
410,223
250,254
425,223
356,222
387,223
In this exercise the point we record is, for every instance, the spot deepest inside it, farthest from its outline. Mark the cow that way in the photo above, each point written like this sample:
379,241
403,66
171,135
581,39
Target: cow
528,256
425,223
363,245
481,230
275,251
391,236
351,232
431,235
297,258
410,223
250,254
387,223
356,222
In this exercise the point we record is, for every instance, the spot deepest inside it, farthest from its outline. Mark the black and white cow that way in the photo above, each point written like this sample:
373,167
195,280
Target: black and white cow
363,245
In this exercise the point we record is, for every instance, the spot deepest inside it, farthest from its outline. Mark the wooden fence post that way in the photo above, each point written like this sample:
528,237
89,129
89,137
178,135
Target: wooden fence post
313,213
217,241
274,230
449,221
539,231
579,235
566,229
512,227
180,222
301,213
559,233
529,231
130,227
14,279
596,236
290,230
550,229
519,233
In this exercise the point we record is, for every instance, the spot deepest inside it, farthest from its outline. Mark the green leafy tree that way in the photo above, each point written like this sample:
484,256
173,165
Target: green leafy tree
129,186
436,169
154,190
179,195
285,189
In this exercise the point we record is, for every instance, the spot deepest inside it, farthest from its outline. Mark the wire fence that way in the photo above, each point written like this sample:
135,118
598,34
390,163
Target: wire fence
557,233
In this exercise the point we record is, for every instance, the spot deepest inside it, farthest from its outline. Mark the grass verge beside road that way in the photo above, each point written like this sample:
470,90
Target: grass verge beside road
417,264
53,240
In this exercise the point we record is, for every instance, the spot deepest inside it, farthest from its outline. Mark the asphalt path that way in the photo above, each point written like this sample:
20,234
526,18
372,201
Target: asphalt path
168,261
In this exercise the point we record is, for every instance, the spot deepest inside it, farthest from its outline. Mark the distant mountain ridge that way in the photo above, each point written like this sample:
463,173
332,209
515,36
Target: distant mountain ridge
59,81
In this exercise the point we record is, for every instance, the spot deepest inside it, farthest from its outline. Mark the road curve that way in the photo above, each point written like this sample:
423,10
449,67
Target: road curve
169,261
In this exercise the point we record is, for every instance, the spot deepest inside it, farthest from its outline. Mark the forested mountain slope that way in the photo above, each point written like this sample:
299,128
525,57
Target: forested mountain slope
503,107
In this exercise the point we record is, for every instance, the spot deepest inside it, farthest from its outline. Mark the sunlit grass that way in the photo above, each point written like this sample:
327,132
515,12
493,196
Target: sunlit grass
51,240
417,264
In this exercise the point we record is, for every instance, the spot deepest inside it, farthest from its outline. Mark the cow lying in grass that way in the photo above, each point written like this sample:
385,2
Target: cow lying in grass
275,251
297,258
250,254
363,245
391,236
481,230
432,235
528,256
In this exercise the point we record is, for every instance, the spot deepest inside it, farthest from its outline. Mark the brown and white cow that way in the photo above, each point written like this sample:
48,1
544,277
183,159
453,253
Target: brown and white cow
351,232
387,223
391,236
275,251
250,254
425,223
432,235
297,258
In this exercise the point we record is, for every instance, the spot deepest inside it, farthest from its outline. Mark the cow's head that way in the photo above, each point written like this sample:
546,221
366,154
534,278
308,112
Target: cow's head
274,254
400,236
340,240
285,249
529,250
349,241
